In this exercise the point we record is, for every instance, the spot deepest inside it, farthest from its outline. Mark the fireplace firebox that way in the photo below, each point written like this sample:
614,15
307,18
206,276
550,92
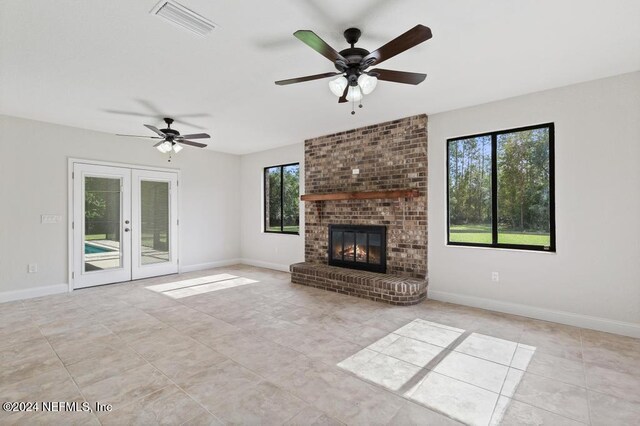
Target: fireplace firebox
361,247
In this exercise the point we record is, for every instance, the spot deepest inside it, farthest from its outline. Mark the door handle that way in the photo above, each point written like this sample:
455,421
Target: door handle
126,229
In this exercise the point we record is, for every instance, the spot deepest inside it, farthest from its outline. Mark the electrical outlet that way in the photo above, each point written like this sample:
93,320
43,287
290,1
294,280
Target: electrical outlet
495,277
355,171
32,268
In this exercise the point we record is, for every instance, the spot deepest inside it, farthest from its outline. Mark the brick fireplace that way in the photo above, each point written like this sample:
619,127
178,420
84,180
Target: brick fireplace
388,158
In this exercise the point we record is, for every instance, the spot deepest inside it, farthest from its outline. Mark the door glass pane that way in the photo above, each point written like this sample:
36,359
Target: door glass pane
524,190
154,214
470,190
102,217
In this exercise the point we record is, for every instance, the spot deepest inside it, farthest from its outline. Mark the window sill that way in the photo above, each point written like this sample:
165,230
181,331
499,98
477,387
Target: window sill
512,250
294,234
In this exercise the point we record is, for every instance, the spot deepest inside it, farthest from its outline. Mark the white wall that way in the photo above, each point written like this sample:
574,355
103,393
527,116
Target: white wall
276,251
594,278
33,181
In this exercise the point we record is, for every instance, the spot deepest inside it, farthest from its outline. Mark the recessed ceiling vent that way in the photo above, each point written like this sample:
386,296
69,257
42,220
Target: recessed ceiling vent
179,15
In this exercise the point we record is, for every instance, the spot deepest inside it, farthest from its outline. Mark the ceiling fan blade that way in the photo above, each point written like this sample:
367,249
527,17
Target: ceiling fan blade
158,144
176,118
195,136
343,98
399,76
132,113
307,78
411,38
155,130
149,106
312,40
188,123
197,144
137,136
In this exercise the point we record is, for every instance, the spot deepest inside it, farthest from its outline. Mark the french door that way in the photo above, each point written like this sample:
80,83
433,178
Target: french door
154,203
125,224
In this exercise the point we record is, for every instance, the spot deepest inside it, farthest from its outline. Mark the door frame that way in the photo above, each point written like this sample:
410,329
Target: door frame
71,162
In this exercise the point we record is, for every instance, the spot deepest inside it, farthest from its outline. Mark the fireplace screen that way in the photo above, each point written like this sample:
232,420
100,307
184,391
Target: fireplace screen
358,247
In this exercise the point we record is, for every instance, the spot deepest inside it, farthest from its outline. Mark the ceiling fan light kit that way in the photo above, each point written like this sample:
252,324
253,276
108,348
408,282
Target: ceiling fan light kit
338,85
166,147
354,94
354,80
367,83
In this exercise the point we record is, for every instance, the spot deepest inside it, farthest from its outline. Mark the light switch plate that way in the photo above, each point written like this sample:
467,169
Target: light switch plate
32,268
355,171
50,218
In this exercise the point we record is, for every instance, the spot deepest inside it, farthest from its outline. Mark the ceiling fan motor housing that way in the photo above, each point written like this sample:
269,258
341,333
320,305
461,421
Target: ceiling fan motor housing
354,55
171,132
354,66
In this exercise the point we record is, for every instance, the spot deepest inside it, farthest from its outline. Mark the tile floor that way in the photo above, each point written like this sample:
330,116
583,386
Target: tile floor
243,345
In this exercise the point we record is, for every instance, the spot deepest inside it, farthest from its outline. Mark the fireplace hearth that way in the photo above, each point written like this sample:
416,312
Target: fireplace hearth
360,247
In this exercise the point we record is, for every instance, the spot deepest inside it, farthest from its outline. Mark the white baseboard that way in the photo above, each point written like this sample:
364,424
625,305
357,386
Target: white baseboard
209,265
267,265
562,317
30,293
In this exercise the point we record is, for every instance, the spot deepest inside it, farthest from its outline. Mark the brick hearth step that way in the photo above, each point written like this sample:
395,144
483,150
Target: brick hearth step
393,289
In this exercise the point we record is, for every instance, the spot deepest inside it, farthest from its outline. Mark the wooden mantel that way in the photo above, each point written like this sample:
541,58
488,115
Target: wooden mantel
371,195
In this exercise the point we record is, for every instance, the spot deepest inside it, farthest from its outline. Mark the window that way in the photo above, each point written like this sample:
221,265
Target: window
501,189
281,199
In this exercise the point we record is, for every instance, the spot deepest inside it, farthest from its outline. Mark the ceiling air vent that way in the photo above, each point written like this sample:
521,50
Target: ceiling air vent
183,17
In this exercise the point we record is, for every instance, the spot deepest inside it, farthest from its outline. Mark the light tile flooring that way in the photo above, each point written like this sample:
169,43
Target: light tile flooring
244,345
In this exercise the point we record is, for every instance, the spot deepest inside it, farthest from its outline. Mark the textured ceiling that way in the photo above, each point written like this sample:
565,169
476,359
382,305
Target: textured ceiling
83,63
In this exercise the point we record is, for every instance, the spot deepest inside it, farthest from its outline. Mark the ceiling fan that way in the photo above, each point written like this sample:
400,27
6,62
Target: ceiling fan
171,139
352,63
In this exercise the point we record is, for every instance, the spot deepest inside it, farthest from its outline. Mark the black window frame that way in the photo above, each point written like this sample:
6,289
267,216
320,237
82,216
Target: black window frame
494,193
266,200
